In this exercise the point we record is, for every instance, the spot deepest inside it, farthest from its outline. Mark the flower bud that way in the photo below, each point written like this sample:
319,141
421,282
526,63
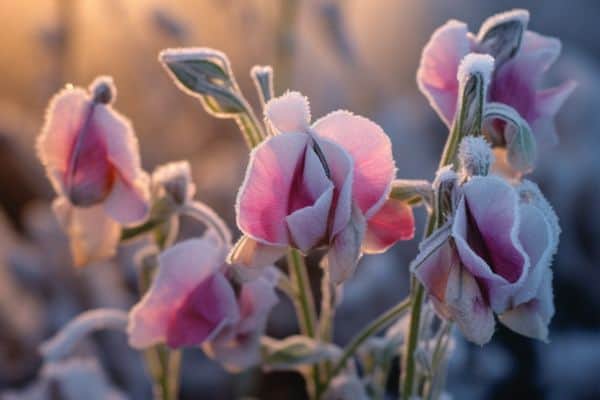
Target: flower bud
444,187
103,90
176,181
474,73
262,75
206,74
475,156
500,36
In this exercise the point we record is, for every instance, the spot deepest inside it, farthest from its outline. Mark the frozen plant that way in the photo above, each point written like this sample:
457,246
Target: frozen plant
332,186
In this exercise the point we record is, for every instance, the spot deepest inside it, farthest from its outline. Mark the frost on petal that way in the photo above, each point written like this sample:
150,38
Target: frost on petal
181,269
93,236
371,151
393,222
248,255
207,309
486,230
241,349
131,181
438,68
264,199
345,251
288,113
531,319
468,307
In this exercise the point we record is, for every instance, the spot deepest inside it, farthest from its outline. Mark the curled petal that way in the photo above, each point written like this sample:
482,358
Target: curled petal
250,255
531,319
437,71
371,152
345,250
394,221
468,307
486,231
182,268
263,200
93,236
288,113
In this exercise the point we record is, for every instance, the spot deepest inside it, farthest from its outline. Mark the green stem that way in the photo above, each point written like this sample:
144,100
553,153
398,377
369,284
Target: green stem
305,308
375,326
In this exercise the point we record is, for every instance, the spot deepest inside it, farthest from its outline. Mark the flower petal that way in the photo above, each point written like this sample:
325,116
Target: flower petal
248,255
531,319
486,230
128,203
263,200
371,152
181,269
394,221
206,310
344,253
92,234
468,307
548,103
288,113
437,71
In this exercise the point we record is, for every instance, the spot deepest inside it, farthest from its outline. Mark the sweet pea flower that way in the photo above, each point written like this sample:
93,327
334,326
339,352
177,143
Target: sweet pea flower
493,256
92,158
193,302
324,184
239,348
517,76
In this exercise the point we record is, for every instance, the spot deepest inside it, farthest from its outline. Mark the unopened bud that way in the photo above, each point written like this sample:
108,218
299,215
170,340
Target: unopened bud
176,180
475,156
445,186
103,90
262,75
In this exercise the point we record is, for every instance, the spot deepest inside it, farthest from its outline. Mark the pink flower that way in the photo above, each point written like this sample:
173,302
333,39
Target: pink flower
496,260
92,159
190,300
239,348
516,80
325,184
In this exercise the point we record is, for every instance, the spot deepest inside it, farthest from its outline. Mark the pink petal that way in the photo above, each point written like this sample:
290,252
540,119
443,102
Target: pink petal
341,168
92,234
394,221
371,152
288,113
206,310
486,230
548,103
468,307
181,269
537,53
531,319
250,255
433,270
263,200
65,115
308,225
344,252
129,201
242,349
437,71
535,236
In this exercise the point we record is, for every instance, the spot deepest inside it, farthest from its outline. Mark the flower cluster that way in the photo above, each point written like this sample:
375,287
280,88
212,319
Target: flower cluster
330,185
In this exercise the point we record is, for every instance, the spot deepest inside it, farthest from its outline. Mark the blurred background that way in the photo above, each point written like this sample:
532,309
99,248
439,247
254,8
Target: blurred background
355,54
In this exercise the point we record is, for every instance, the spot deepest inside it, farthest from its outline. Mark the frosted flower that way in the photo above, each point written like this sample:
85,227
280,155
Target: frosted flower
92,159
497,260
521,60
324,184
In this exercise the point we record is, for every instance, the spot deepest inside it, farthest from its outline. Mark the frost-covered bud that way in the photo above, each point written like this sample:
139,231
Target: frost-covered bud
475,156
501,35
176,180
445,190
262,75
103,90
205,74
474,73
